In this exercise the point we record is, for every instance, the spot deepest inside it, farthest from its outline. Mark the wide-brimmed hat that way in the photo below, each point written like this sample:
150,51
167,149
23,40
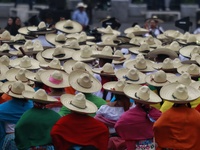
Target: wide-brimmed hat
159,78
54,78
108,41
5,60
6,36
190,40
152,42
144,49
73,44
25,62
78,103
39,96
184,78
116,87
72,65
56,39
179,93
34,76
142,94
174,46
155,18
53,64
84,55
58,52
106,53
106,70
108,30
141,64
173,34
83,81
81,34
187,51
41,59
3,70
132,76
192,69
24,31
80,4
4,49
136,30
68,26
122,58
15,88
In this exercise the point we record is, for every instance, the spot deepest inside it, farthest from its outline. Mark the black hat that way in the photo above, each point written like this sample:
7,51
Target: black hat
111,21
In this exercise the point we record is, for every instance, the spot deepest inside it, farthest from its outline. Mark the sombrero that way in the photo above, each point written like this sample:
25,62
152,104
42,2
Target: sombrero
141,94
83,81
192,69
106,70
179,93
174,46
144,49
78,35
6,36
108,30
56,39
41,59
184,78
173,34
132,76
187,51
116,87
73,44
78,103
68,26
108,41
53,64
191,40
5,60
34,76
122,58
152,42
136,30
4,49
3,70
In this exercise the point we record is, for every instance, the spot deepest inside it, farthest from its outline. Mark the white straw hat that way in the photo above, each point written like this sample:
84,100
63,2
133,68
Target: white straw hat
106,70
108,30
3,70
78,103
184,78
187,51
56,39
144,49
115,87
142,94
152,42
53,64
34,76
5,60
81,4
192,69
137,30
83,81
122,58
179,93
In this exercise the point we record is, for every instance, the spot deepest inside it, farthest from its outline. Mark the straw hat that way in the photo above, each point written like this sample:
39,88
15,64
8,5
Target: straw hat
190,40
73,44
58,52
26,63
106,53
56,39
72,65
173,34
136,30
41,59
152,42
68,26
5,36
78,103
115,87
53,64
187,51
15,88
84,55
196,85
135,41
34,76
5,60
132,76
122,58
106,70
39,96
3,70
179,93
184,78
83,81
174,46
108,30
19,38
142,94
144,49
141,64
54,78
155,18
192,69
159,78
80,4
78,35
108,41
5,48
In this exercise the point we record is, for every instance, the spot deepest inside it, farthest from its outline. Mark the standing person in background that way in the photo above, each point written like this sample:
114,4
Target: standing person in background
80,15
90,4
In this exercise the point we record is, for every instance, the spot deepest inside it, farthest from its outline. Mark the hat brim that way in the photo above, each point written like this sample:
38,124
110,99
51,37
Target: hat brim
186,51
77,56
121,60
34,30
184,68
102,56
121,73
76,27
95,84
167,91
132,30
99,71
131,90
44,76
5,88
66,101
47,67
103,30
41,59
31,76
30,95
110,86
3,70
51,39
135,50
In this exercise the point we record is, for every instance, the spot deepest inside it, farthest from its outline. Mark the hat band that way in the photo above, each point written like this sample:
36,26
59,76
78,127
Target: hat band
88,85
127,78
10,90
177,98
139,97
21,80
152,79
55,81
77,106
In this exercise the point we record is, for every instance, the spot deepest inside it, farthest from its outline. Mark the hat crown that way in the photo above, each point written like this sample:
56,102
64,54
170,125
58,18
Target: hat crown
160,77
193,69
37,75
108,68
57,75
150,40
119,86
143,93
107,50
68,23
185,79
37,46
140,55
119,53
21,75
4,47
85,81
196,49
5,60
28,44
6,35
79,66
191,39
25,62
19,37
17,87
181,92
58,51
140,63
74,44
136,28
144,47
109,29
134,41
86,52
55,63
42,25
174,46
133,74
108,40
131,35
82,38
60,37
40,94
79,101
167,63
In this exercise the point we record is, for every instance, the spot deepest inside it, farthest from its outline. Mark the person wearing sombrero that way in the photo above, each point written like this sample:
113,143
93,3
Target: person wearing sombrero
33,128
139,119
83,81
78,128
176,126
11,111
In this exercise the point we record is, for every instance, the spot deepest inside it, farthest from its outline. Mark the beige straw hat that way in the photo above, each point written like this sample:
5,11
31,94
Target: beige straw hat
144,49
184,78
142,94
174,46
108,41
196,85
83,81
58,52
84,55
5,36
34,76
5,60
190,40
73,44
80,4
4,49
78,35
53,64
187,51
54,78
141,64
115,87
108,30
152,42
173,34
122,58
39,96
106,70
179,93
192,69
41,59
159,78
3,70
78,103
72,65
25,62
15,88
56,39
68,26
132,76
136,30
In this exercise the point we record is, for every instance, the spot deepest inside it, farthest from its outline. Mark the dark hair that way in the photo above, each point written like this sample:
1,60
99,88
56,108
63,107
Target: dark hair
178,105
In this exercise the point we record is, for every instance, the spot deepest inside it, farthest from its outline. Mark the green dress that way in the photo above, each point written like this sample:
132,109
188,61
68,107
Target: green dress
33,128
93,98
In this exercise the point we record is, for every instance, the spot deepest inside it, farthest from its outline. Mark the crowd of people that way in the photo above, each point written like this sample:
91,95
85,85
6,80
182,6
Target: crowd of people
65,90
